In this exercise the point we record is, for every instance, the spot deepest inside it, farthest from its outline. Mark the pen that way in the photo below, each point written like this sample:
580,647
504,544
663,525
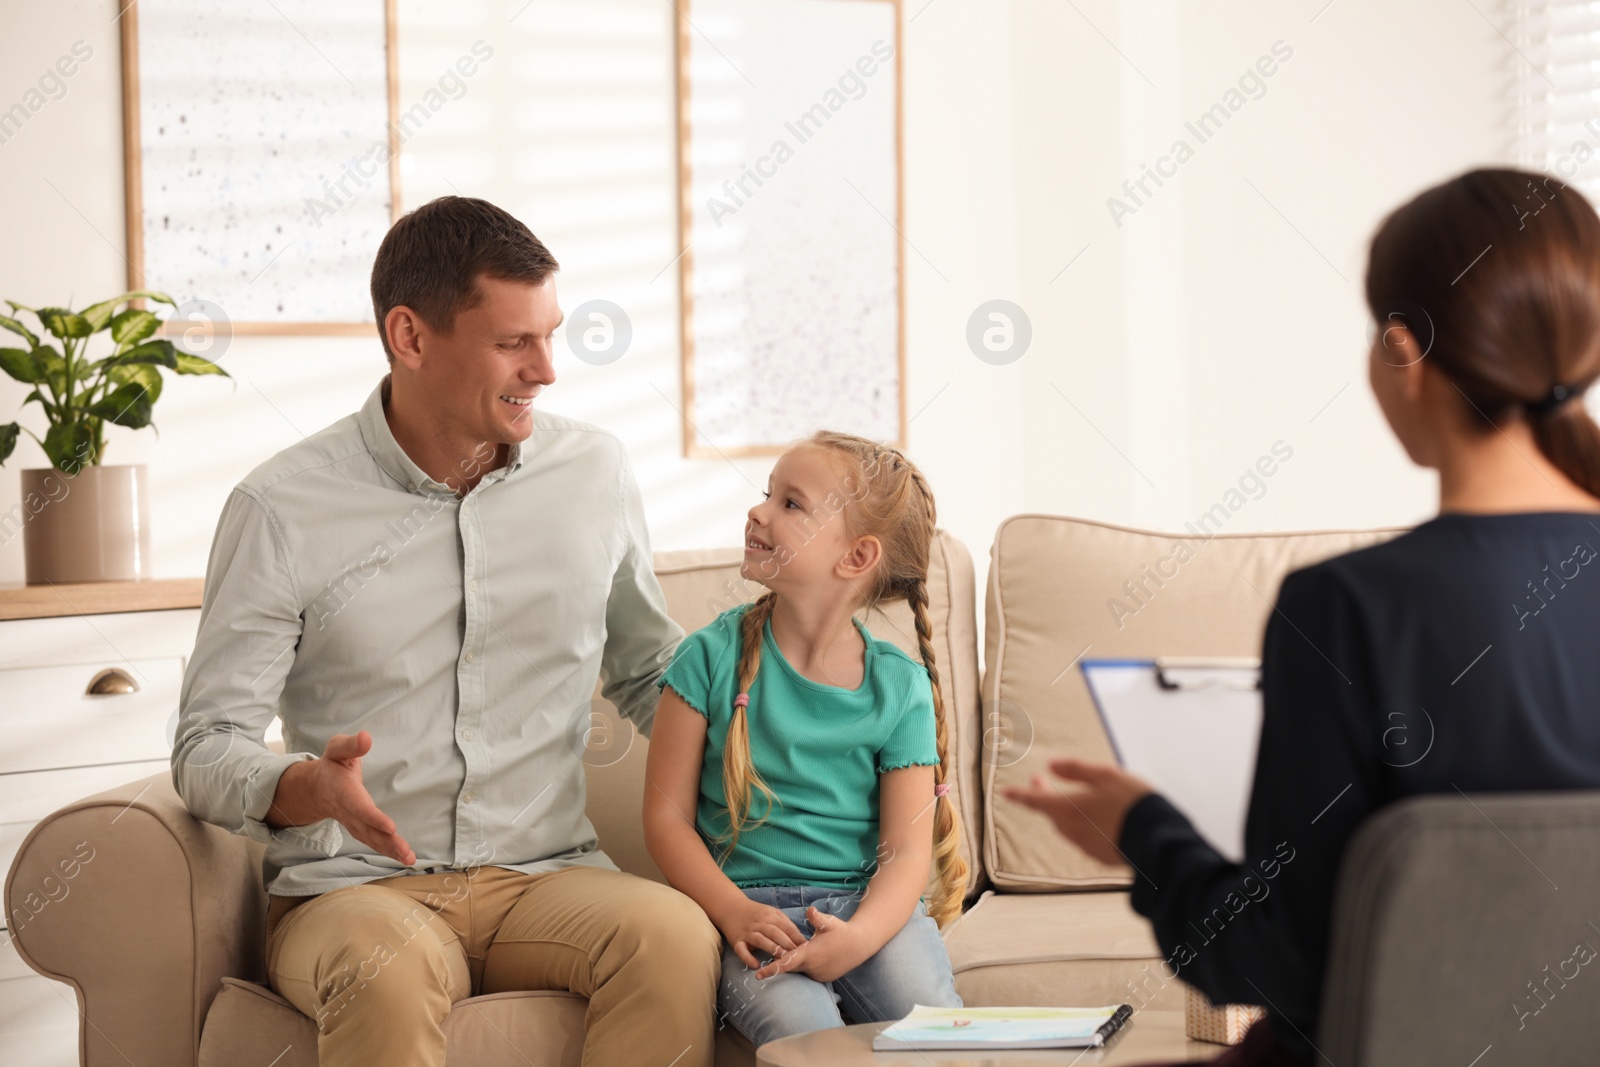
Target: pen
1113,1024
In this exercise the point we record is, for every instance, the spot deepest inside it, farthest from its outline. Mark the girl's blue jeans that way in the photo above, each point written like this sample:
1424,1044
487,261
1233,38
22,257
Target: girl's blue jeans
911,968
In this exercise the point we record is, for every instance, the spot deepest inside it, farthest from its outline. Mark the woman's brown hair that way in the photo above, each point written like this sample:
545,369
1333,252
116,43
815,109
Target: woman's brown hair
1497,275
888,498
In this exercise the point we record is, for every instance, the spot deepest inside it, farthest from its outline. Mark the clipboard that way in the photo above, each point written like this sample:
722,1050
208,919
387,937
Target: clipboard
1190,727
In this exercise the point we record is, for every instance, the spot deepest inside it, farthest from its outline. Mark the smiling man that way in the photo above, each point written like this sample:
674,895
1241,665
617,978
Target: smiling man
425,593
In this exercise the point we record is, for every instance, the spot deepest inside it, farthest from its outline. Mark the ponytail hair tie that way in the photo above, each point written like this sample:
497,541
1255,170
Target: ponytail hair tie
1552,400
941,789
742,700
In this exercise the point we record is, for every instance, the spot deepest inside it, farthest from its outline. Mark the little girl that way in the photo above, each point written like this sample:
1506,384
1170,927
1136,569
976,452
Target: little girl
811,756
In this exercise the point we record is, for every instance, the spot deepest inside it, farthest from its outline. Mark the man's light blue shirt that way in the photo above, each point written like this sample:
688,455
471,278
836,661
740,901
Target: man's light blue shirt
349,591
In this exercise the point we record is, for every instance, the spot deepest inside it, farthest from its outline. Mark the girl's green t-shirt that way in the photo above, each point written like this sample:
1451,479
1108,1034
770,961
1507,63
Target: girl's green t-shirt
819,748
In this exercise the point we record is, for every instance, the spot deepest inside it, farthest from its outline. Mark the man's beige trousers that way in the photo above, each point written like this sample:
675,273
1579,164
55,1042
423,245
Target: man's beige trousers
378,965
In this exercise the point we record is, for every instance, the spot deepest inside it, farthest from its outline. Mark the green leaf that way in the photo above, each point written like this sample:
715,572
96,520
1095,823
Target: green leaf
132,326
64,324
49,408
54,367
128,405
191,364
141,374
158,352
99,314
70,447
8,440
16,327
21,366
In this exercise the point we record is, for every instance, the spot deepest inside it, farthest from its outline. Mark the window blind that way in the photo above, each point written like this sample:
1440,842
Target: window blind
1558,89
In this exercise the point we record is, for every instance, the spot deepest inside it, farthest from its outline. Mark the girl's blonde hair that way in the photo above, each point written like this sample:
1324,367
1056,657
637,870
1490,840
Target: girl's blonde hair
891,501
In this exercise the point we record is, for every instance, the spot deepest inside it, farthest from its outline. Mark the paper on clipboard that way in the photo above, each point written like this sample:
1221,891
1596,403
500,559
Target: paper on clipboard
1190,728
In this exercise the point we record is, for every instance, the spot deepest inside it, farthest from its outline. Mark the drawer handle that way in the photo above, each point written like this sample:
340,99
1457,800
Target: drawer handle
113,681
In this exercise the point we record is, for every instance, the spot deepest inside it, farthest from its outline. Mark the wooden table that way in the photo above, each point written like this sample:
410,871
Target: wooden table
53,600
1150,1037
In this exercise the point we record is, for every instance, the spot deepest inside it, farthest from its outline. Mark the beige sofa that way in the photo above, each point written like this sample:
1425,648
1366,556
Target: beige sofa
161,935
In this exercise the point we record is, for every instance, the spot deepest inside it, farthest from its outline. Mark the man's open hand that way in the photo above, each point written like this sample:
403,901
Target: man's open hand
331,788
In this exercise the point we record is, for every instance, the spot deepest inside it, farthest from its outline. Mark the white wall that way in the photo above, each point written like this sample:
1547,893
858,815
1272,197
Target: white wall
1172,353
570,126
1226,313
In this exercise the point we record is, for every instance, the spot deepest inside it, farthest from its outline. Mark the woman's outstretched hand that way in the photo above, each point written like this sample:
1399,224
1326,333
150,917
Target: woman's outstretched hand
1089,813
834,950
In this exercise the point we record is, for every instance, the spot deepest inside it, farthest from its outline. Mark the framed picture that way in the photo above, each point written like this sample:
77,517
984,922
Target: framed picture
261,147
791,211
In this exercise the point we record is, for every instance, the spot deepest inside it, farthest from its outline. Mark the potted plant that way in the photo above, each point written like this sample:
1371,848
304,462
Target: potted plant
81,521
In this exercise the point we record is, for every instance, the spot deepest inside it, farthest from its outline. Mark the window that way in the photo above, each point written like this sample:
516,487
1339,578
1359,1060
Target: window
1558,89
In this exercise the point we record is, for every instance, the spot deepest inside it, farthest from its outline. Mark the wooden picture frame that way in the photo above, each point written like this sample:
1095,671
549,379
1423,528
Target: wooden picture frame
888,422
140,275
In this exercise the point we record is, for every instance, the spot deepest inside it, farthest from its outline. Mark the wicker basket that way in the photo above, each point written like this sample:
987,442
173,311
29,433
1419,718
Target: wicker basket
1221,1025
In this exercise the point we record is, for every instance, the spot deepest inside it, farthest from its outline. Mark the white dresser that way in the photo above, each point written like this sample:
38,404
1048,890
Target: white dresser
89,679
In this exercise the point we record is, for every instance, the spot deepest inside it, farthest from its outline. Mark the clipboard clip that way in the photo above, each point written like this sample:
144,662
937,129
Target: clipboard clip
1205,672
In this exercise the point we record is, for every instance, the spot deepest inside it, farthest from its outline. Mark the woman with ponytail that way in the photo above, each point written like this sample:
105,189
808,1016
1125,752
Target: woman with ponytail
1457,658
796,784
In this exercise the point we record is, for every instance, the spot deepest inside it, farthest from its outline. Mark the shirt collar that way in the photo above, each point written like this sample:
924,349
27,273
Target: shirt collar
393,459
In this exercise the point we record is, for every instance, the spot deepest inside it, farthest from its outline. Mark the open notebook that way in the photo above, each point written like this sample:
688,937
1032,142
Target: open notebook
997,1028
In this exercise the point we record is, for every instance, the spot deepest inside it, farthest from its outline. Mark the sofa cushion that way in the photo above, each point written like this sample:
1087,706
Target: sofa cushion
247,1019
1065,949
1062,588
249,1023
700,584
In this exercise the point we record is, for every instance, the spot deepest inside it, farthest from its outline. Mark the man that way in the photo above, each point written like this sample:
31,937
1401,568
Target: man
425,593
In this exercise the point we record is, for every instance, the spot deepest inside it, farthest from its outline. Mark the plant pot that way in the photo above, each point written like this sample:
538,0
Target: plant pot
93,526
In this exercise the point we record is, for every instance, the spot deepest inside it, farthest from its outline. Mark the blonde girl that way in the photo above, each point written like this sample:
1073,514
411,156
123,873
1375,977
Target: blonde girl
796,784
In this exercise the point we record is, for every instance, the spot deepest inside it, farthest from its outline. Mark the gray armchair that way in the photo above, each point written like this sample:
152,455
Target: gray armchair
1467,931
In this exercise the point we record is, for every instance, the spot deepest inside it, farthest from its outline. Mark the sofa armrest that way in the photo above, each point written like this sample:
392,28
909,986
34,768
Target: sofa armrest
143,909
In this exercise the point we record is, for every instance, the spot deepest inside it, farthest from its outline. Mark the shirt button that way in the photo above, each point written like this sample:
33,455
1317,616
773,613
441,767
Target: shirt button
466,735
469,657
467,798
473,584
